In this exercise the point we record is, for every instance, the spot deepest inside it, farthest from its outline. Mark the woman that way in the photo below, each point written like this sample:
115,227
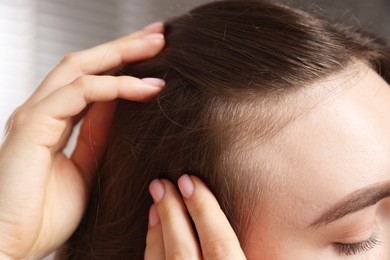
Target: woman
283,114
39,213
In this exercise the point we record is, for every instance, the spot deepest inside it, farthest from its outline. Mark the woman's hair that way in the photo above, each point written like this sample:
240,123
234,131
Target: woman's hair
229,67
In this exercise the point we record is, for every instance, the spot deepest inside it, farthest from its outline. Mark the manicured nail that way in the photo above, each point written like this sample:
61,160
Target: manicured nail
153,26
186,186
154,219
153,36
156,189
155,82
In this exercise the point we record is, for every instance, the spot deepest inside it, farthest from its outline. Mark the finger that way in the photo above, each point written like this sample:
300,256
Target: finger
70,100
217,238
137,46
87,89
179,238
92,139
106,56
155,27
154,238
100,59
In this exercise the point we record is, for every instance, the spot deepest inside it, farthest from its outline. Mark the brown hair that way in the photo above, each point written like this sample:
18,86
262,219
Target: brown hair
227,65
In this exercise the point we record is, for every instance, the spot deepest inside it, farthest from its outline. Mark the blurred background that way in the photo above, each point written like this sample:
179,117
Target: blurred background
35,34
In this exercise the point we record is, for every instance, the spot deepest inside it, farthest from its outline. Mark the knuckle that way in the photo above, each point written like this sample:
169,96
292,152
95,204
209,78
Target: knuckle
199,208
169,206
122,80
69,58
167,212
84,83
17,118
217,249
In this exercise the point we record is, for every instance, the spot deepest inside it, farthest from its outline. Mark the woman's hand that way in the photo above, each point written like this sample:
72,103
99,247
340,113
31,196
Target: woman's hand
170,233
43,194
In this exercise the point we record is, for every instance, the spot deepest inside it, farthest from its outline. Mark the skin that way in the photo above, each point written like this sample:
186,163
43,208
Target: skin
339,144
343,160
170,234
346,148
43,194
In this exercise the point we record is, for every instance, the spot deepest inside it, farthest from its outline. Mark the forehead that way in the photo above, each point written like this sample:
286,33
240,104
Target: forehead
338,144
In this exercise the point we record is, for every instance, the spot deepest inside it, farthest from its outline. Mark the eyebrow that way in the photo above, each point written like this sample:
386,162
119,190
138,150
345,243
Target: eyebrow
354,202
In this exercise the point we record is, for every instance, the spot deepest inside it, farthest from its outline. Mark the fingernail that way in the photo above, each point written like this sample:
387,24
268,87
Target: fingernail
155,82
154,219
153,36
153,26
156,189
186,186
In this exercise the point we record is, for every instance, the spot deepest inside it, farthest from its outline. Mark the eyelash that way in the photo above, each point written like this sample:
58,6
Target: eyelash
355,248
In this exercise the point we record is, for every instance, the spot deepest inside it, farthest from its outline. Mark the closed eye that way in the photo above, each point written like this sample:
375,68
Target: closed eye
359,247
